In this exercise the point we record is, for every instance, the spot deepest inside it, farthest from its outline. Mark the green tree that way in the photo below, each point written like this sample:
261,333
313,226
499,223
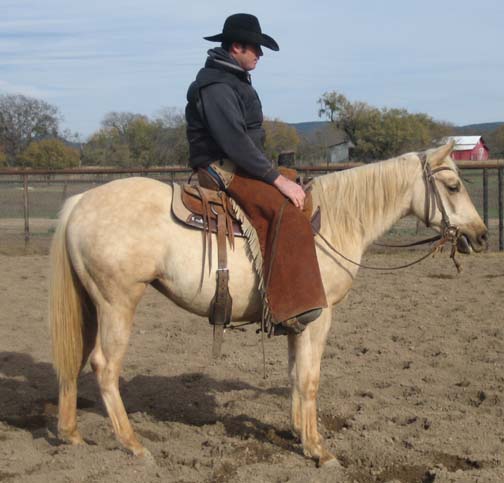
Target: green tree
3,158
171,145
128,139
495,142
279,137
380,133
120,122
124,140
349,117
332,104
50,154
23,120
141,138
170,117
105,148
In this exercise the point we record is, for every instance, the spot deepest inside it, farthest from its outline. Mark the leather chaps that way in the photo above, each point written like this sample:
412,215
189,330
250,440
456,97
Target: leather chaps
291,270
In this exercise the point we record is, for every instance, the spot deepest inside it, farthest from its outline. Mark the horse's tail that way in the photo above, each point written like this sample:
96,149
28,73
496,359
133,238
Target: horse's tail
65,304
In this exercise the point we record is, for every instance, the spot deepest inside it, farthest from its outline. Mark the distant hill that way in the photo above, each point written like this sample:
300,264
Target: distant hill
481,128
307,128
72,144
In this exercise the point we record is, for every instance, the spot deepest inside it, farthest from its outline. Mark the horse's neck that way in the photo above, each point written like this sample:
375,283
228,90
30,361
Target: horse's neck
361,204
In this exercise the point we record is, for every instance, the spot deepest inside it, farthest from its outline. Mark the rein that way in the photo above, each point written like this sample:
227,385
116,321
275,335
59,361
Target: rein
449,233
409,245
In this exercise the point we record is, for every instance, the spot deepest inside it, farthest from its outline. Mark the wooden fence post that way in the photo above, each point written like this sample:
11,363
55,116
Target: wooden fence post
485,196
26,208
64,193
501,209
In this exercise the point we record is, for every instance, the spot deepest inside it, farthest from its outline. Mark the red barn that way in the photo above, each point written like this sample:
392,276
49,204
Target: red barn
469,148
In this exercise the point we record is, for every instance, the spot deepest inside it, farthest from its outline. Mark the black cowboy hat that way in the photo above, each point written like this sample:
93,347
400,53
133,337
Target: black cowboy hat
243,27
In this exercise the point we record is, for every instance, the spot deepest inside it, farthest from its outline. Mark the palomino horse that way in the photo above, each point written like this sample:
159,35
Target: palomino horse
116,239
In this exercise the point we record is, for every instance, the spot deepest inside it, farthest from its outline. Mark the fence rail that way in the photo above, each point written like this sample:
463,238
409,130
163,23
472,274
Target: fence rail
81,175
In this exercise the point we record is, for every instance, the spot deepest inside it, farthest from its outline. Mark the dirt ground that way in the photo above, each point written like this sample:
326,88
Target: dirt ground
412,387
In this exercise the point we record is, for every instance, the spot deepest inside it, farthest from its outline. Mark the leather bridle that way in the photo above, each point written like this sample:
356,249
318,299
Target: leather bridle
433,200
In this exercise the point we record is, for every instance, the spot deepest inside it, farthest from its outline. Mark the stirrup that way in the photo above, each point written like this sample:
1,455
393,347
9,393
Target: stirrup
289,326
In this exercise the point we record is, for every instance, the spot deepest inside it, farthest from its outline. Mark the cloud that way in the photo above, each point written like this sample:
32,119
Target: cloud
30,24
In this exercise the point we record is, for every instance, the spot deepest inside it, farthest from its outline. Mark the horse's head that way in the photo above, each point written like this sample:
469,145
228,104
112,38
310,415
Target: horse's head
441,200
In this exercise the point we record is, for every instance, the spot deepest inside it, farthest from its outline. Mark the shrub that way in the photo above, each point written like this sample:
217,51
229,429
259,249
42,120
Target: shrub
49,154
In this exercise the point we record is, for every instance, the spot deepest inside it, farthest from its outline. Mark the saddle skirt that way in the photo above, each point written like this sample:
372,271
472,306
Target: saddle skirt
188,207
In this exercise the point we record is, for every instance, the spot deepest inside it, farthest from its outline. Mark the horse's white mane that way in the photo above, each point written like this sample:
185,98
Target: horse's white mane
354,199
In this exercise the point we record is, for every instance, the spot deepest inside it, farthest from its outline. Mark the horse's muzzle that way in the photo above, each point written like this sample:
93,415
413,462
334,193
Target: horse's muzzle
483,240
467,244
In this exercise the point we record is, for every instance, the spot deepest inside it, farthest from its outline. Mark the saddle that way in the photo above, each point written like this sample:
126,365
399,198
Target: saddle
188,208
206,207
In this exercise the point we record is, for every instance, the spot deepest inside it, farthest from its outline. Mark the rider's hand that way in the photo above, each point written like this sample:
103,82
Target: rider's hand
291,190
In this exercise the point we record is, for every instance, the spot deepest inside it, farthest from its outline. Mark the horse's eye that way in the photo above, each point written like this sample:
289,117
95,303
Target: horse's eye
454,188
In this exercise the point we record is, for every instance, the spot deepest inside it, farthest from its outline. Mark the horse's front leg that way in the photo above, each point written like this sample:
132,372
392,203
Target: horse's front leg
305,353
295,398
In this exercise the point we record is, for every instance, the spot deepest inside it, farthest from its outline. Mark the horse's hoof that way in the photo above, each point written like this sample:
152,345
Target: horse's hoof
73,438
145,456
329,461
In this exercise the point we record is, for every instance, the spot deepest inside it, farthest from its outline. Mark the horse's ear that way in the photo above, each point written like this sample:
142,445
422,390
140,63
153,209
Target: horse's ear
437,156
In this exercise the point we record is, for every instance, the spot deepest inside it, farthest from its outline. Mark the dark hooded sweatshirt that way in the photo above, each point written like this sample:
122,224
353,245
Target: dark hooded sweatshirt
224,118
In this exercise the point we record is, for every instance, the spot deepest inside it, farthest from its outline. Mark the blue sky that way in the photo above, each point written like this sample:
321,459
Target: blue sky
441,57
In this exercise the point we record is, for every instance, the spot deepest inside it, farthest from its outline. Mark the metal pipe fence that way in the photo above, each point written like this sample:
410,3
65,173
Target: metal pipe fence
485,178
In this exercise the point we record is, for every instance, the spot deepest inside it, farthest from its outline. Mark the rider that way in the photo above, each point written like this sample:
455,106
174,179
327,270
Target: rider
226,139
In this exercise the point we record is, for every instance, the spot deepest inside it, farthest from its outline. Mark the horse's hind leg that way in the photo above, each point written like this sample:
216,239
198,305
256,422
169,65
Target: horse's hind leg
114,328
67,406
67,413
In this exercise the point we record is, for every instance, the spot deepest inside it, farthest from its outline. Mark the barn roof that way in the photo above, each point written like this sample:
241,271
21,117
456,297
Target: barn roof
336,137
464,143
329,135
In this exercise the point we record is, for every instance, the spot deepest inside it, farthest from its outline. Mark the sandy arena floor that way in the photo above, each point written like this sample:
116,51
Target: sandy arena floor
412,387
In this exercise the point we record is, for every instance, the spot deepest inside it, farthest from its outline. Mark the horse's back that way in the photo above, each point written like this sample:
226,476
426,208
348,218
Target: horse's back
129,192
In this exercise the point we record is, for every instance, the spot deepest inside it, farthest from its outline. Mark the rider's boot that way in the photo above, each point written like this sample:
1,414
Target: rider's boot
297,324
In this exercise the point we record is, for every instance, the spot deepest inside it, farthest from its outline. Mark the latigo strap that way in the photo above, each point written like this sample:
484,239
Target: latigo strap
222,303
